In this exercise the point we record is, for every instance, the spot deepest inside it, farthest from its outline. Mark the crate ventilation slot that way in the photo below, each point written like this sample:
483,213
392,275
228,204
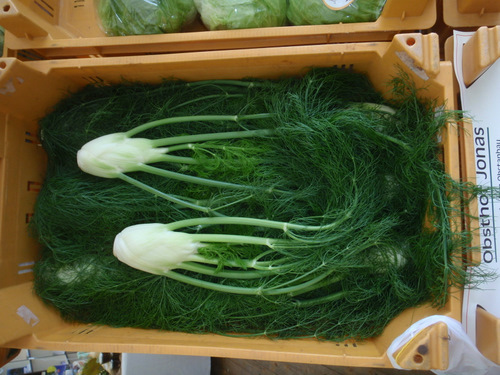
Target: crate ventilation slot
45,7
95,80
347,345
31,138
349,67
29,55
78,3
25,267
85,331
34,186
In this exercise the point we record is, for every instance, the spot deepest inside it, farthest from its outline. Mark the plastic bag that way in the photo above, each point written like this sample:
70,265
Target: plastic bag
318,12
137,17
464,357
241,14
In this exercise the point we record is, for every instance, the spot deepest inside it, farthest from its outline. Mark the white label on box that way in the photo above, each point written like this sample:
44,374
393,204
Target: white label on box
28,316
480,101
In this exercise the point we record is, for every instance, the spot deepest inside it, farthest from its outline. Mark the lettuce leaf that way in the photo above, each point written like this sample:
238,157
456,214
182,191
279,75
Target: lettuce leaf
241,14
315,12
137,17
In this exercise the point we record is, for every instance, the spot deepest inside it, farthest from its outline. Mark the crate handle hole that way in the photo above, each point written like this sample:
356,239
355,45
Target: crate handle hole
418,358
410,41
423,349
6,8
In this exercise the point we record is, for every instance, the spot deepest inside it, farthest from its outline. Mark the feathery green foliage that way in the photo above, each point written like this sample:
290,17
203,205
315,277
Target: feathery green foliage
367,177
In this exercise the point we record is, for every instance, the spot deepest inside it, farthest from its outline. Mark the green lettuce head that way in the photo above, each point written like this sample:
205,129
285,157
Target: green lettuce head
316,12
241,14
138,17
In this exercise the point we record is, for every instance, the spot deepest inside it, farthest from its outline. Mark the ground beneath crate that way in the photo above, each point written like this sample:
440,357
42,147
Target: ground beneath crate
227,366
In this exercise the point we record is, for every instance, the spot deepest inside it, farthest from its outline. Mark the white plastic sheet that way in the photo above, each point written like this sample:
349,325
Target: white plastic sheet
464,357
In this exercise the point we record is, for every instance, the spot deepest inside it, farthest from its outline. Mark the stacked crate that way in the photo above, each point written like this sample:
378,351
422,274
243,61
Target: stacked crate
470,14
38,29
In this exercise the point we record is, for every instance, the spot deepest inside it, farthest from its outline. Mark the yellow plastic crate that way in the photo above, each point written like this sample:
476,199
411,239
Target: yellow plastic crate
70,28
29,89
471,13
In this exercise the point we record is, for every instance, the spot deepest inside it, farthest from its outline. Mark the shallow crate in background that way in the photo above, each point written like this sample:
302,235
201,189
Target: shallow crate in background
471,14
480,52
29,89
40,29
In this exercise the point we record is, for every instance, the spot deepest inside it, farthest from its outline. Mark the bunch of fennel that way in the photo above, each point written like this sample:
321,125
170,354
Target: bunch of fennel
298,207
